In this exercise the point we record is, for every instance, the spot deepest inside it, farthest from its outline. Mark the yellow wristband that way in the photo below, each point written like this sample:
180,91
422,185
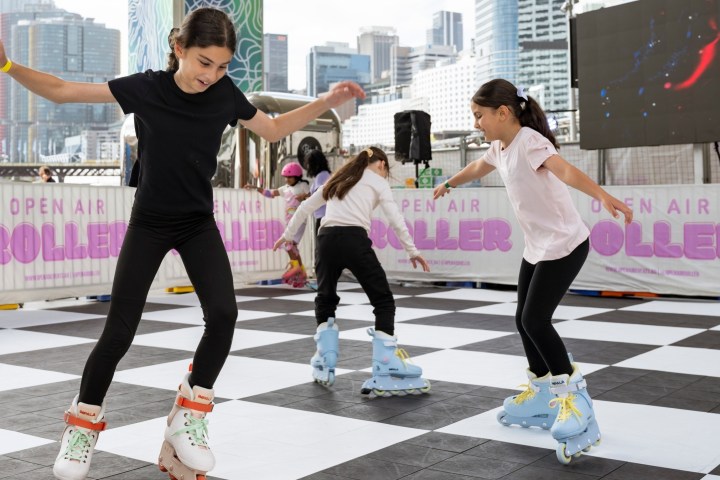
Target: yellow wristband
6,67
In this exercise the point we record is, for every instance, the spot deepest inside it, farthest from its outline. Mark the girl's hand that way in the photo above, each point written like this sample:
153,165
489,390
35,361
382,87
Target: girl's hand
440,191
420,260
613,205
342,92
250,187
280,242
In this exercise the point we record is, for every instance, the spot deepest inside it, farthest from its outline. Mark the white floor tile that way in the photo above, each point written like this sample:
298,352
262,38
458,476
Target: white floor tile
481,368
346,298
187,315
632,433
13,441
256,315
562,312
682,308
240,377
23,377
475,295
14,341
188,338
194,315
190,299
365,312
429,335
31,318
262,441
693,361
624,332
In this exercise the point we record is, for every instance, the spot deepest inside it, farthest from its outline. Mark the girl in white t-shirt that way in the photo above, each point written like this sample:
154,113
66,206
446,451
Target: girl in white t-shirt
351,195
524,151
294,191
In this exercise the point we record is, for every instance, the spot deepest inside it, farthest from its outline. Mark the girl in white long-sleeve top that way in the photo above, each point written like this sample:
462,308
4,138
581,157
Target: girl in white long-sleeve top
351,195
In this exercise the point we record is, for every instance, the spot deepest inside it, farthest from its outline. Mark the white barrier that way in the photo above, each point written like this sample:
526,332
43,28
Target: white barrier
63,240
672,246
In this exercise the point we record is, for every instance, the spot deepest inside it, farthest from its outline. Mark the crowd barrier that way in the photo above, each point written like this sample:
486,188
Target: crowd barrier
63,240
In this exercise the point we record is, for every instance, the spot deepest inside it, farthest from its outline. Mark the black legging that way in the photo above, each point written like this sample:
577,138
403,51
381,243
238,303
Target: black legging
540,289
339,248
148,239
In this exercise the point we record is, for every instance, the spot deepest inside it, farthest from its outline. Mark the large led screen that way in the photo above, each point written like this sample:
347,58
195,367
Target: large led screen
649,73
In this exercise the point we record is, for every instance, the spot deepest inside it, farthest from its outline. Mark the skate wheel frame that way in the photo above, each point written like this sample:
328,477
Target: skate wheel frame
169,463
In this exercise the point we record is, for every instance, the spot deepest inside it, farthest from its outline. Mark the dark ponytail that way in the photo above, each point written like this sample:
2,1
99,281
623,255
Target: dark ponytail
350,174
173,63
499,92
204,27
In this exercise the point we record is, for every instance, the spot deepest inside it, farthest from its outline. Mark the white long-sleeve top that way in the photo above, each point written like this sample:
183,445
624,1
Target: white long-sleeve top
355,210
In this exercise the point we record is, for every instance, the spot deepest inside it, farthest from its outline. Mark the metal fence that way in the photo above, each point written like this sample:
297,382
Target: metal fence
662,165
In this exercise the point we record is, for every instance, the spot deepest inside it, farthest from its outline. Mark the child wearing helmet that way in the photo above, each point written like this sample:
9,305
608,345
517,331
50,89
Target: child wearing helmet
295,190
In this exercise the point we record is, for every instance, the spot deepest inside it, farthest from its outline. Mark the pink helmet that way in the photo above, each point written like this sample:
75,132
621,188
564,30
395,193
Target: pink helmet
292,170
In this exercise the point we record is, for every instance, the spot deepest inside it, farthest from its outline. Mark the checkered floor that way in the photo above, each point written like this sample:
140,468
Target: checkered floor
653,368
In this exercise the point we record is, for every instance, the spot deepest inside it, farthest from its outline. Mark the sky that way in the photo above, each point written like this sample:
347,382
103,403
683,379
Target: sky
312,22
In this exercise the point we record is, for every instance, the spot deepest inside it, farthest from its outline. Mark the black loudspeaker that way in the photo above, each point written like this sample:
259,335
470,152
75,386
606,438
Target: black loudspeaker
412,136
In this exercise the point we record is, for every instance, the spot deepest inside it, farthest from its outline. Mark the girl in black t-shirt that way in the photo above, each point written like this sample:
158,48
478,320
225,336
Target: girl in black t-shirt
186,108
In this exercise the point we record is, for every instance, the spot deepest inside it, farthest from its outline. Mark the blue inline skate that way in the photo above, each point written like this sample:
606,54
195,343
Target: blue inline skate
530,408
575,427
325,358
392,374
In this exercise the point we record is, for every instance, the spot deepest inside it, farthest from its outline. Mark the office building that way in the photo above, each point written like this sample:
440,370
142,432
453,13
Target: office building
496,40
543,51
275,62
335,62
447,29
377,43
68,46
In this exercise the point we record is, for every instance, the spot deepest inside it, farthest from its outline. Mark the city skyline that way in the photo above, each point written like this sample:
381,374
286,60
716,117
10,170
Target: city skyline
325,22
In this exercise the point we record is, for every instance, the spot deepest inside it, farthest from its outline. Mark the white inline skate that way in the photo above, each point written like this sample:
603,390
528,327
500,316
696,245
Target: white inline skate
392,372
326,355
530,408
575,427
84,424
185,454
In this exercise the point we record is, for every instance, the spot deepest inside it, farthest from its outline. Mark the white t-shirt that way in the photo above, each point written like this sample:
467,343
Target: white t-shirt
552,225
356,208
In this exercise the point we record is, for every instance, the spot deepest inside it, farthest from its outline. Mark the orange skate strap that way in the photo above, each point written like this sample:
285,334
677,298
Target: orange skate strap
79,422
181,401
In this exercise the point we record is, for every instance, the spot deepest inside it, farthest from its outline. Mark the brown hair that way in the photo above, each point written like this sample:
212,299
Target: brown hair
499,92
204,27
350,174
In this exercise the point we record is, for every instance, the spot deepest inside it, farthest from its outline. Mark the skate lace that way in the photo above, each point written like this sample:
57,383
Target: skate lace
528,394
403,355
196,428
78,445
567,407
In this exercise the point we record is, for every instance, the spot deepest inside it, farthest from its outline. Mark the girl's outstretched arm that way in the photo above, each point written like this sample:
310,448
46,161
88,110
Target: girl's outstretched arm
56,89
575,178
274,129
474,170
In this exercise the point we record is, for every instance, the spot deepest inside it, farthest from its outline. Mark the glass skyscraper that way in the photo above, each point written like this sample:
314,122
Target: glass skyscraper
496,40
333,63
447,30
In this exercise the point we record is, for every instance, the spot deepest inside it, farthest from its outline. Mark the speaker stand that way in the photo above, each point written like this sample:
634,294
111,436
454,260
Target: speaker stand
417,173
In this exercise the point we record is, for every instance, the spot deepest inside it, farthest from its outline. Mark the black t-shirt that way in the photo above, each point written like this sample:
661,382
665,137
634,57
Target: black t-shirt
179,136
